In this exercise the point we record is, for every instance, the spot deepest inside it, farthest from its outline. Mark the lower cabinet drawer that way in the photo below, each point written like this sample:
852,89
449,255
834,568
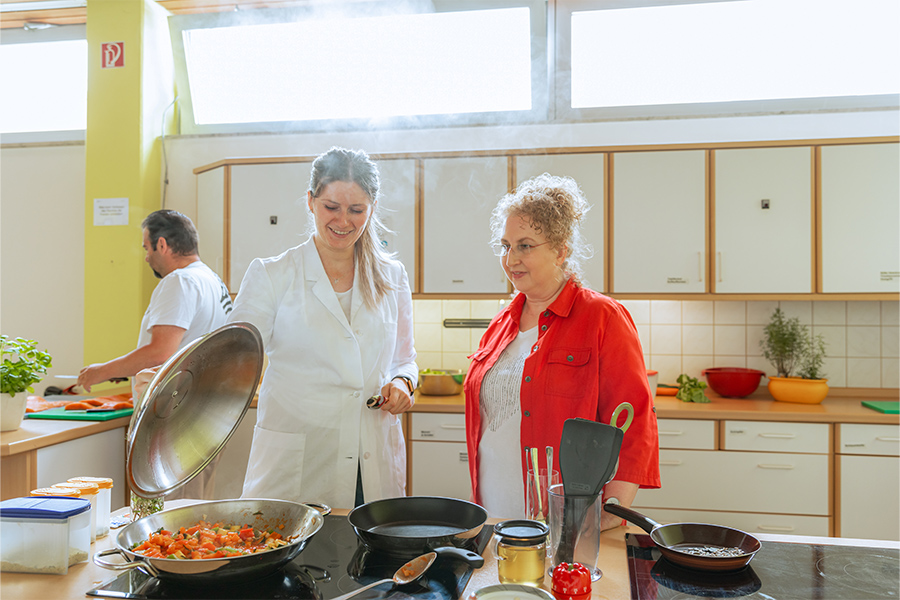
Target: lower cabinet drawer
445,427
758,482
749,522
440,469
687,433
858,438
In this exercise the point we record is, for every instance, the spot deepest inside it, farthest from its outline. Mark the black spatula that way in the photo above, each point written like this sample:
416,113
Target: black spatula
588,452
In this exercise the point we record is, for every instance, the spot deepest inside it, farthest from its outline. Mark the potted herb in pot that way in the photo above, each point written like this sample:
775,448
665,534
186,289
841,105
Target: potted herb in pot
22,366
791,348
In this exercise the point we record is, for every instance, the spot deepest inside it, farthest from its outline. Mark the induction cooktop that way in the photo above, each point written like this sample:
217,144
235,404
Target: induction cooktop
779,571
333,563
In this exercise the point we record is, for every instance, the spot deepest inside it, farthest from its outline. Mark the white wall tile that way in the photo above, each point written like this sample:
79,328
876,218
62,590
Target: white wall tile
665,339
890,342
730,361
730,340
829,313
890,312
455,309
755,335
730,313
761,364
835,339
427,311
863,342
835,370
697,339
890,373
427,337
864,372
669,367
484,309
697,312
639,310
455,360
665,312
694,365
864,313
760,312
644,335
429,360
799,308
475,336
456,340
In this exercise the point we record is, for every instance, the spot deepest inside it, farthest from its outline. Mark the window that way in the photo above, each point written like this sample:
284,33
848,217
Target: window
332,70
45,81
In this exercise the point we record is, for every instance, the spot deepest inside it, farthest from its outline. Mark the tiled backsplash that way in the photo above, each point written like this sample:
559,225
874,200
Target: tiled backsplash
862,338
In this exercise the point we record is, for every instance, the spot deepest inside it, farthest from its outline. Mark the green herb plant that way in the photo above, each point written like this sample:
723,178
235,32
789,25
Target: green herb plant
790,347
23,365
690,389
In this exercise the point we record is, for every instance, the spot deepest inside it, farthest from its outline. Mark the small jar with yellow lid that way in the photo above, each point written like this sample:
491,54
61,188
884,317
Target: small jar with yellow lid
88,491
103,500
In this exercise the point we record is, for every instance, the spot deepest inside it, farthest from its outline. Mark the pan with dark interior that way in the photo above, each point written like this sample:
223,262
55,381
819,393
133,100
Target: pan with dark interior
695,545
414,525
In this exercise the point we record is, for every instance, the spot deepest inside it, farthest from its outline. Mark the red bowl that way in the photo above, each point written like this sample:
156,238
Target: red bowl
733,382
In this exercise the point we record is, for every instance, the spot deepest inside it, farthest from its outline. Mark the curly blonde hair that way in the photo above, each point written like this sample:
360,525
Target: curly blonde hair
555,207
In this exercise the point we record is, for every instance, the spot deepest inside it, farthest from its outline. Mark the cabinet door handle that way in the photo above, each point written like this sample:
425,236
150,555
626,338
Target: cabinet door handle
771,466
670,463
882,438
671,432
456,427
782,529
699,266
719,257
784,436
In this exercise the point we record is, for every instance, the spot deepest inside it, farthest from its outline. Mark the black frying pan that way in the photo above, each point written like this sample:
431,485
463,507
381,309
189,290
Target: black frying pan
677,540
414,525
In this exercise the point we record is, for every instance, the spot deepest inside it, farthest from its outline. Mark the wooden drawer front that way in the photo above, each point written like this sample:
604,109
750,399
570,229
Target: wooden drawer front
749,522
775,436
869,497
440,469
686,433
742,481
882,440
442,427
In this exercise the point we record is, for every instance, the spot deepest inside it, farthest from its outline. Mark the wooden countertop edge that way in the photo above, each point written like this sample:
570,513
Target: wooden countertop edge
41,439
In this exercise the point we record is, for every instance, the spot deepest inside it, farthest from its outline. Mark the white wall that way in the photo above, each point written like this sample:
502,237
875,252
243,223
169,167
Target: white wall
42,252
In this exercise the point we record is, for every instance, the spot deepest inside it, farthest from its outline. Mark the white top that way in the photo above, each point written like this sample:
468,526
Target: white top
500,463
312,426
193,298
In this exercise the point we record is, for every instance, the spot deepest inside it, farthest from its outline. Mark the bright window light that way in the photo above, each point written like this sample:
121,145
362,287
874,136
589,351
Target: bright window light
731,51
367,67
45,86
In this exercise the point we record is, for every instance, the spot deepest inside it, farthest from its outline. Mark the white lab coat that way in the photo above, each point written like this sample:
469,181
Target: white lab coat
312,426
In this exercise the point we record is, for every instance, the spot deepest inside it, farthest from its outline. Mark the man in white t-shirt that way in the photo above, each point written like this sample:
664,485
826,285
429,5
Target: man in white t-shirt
189,301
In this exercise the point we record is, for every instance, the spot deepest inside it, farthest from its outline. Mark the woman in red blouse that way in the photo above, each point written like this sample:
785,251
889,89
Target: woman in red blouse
558,351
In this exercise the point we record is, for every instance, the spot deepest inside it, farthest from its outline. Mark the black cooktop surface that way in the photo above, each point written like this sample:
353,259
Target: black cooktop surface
334,562
779,571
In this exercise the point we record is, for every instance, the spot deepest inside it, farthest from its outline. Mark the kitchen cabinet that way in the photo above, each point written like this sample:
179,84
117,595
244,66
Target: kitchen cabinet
869,475
860,212
232,465
763,220
659,222
458,197
587,171
211,220
439,463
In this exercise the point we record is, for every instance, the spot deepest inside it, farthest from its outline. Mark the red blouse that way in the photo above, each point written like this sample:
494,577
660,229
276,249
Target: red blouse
586,361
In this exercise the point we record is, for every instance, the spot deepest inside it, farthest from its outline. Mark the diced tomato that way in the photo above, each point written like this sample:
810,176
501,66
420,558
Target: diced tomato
246,534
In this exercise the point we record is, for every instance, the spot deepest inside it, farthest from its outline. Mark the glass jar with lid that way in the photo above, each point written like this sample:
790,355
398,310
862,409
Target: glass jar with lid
520,547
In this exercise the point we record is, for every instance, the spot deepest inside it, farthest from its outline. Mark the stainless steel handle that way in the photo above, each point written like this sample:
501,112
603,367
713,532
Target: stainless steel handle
670,463
456,427
775,528
362,589
126,566
882,438
773,466
786,436
671,433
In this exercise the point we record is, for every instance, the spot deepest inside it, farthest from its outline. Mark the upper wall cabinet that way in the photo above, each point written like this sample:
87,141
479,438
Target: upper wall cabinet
587,171
763,221
397,210
659,222
211,193
458,197
860,216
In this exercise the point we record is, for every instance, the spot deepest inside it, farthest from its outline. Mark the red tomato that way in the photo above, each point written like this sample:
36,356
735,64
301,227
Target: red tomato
571,582
246,534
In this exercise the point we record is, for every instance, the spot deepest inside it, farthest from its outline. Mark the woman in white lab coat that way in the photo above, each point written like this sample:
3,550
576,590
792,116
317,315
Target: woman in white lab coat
335,314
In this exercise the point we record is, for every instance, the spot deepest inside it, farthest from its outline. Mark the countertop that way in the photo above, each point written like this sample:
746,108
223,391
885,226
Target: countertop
841,406
613,562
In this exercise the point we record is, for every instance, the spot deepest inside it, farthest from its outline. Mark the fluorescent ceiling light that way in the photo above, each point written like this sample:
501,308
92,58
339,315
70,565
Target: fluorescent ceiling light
41,5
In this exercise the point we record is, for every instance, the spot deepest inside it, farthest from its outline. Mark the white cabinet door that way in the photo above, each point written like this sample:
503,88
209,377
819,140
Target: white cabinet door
587,171
261,193
659,222
459,195
98,455
232,465
860,213
440,469
397,209
763,220
211,219
869,497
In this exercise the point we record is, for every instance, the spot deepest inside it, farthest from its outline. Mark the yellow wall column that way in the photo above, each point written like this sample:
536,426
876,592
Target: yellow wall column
126,109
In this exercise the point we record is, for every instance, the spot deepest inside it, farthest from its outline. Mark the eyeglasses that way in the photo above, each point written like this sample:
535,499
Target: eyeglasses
520,249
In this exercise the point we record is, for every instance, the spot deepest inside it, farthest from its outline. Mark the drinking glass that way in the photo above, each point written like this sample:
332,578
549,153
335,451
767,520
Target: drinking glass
586,548
534,510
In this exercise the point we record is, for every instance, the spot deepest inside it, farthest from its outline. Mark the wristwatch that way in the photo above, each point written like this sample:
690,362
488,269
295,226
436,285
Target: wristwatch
409,384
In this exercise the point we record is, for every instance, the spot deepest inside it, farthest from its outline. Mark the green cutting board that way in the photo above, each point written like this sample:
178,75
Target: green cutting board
60,413
883,406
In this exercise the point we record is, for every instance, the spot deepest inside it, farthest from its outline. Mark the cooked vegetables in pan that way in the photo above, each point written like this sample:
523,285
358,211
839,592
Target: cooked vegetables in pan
205,540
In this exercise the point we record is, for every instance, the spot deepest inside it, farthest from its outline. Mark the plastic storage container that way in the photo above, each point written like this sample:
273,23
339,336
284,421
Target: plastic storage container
56,491
103,500
89,491
44,534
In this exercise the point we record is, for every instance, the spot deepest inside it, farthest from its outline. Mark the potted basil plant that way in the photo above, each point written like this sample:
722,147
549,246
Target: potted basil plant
22,366
798,357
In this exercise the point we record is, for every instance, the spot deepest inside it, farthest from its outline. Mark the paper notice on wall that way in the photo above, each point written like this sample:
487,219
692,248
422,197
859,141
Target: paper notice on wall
110,211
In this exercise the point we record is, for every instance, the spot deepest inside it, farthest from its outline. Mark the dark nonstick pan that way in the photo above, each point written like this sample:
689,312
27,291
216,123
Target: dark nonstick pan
414,525
686,544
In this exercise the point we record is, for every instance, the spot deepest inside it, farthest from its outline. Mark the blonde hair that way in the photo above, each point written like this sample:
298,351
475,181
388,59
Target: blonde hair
355,166
555,207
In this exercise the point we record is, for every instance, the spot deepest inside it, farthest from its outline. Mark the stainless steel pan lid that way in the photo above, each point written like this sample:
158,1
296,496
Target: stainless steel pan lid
191,408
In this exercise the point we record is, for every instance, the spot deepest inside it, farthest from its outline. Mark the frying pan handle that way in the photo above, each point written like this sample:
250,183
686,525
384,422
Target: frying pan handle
642,521
145,566
475,560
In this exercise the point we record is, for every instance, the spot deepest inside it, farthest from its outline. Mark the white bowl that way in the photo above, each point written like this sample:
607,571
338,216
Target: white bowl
12,410
652,378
